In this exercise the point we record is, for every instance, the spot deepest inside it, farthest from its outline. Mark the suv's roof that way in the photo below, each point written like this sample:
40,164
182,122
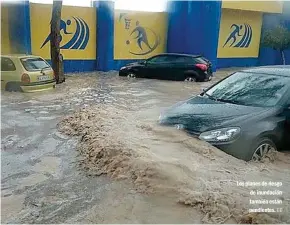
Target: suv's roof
177,54
19,56
279,70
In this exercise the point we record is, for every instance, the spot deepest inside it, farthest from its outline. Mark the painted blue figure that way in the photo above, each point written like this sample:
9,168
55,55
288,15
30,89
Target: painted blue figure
141,36
235,33
63,26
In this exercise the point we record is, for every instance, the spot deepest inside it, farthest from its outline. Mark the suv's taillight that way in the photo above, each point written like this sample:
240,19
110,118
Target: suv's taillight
25,78
201,66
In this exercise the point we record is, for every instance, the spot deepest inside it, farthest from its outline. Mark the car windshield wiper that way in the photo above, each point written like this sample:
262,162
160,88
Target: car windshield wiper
209,96
222,100
229,101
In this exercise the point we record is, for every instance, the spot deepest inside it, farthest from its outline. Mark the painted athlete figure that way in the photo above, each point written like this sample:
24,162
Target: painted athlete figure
235,33
141,36
63,26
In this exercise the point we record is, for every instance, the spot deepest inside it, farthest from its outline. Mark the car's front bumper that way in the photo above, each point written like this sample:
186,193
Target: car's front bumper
124,71
38,86
239,148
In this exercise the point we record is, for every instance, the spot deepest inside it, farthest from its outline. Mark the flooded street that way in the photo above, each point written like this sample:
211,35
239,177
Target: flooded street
91,151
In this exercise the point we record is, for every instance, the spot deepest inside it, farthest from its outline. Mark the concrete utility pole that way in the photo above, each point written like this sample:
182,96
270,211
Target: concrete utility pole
56,57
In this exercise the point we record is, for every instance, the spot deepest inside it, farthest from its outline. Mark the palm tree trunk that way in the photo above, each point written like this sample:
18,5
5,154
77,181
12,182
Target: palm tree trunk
283,57
56,60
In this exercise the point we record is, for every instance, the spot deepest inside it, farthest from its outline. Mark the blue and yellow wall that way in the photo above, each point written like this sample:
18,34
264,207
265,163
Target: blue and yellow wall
118,35
78,33
5,40
102,38
15,28
240,31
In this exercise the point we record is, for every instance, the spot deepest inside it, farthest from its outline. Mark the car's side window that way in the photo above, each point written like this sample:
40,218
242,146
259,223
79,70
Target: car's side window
158,59
200,60
180,59
7,64
185,60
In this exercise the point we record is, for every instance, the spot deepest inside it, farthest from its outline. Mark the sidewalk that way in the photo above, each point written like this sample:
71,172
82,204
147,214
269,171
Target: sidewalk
228,71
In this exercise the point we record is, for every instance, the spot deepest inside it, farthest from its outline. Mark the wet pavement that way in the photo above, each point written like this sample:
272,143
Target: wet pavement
40,179
41,182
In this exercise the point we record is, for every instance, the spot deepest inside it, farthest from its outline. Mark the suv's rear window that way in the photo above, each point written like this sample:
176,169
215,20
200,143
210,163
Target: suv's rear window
31,64
200,60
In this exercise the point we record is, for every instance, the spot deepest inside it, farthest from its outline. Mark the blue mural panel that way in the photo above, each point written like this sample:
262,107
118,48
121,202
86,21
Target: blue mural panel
80,38
236,62
105,35
194,28
78,66
19,27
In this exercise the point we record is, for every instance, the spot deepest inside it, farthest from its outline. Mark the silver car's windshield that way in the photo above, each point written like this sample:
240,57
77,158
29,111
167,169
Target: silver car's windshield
262,90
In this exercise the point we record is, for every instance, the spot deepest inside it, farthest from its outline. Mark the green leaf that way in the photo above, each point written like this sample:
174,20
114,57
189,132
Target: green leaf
277,38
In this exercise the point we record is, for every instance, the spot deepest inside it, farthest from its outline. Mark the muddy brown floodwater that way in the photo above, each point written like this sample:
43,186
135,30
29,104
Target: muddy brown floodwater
156,174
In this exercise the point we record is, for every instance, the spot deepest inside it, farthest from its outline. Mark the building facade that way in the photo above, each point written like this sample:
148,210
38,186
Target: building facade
101,38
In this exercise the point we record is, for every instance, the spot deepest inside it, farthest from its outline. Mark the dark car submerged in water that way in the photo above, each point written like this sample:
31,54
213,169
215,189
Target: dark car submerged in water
171,66
246,114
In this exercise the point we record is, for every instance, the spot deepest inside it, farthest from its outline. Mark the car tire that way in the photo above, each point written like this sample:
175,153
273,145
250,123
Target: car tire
261,148
12,87
209,78
191,77
131,75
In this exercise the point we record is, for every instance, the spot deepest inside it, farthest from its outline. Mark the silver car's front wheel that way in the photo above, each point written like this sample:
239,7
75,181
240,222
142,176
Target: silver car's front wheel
264,148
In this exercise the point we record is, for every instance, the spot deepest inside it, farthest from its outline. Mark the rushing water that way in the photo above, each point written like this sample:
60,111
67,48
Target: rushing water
165,160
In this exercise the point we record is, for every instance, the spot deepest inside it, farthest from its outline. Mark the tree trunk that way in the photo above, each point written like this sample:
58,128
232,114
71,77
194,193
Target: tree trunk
283,57
56,59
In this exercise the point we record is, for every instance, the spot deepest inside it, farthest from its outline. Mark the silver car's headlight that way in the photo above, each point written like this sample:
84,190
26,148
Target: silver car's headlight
124,67
220,135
